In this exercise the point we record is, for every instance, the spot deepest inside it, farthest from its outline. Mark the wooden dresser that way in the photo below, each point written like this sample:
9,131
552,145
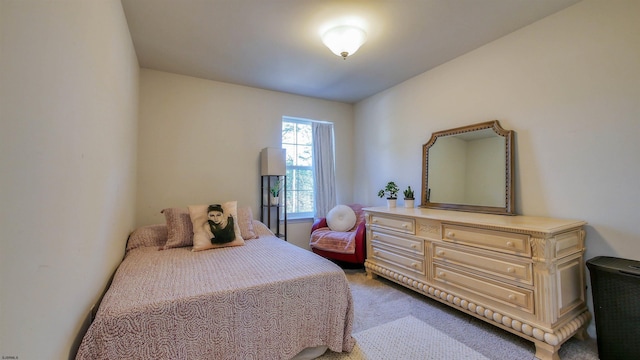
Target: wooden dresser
523,274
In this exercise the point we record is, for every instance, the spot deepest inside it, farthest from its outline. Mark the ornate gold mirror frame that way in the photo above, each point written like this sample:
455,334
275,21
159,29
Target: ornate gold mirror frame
469,168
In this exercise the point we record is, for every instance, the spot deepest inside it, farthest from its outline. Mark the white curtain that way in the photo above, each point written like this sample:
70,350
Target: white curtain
324,175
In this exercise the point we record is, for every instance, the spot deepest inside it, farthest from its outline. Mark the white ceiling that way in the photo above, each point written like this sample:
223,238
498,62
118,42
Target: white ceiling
276,45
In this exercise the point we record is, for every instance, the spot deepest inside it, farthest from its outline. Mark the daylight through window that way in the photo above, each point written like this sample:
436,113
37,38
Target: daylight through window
297,139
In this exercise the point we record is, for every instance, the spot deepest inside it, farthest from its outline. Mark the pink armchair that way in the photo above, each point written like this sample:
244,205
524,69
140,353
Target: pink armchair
346,246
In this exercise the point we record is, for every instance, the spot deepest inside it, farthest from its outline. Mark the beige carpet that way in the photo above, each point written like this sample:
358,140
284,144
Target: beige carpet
378,302
405,338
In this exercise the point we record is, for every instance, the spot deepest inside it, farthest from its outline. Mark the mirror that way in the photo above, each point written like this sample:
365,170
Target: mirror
469,169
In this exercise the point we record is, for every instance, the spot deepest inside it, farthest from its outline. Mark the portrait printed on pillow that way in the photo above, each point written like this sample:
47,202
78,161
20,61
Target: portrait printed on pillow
215,226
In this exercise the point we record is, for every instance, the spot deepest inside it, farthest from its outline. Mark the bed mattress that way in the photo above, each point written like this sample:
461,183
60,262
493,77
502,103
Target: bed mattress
267,299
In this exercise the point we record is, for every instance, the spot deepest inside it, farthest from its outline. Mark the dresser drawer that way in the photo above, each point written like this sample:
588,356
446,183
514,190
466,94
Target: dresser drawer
511,269
509,243
399,242
511,295
396,224
415,265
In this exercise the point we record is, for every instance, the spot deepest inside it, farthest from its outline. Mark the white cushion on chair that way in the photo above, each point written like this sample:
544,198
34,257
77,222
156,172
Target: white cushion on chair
341,218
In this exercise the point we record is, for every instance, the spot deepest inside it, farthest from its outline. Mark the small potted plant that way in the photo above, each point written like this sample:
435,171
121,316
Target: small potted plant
409,200
275,192
391,190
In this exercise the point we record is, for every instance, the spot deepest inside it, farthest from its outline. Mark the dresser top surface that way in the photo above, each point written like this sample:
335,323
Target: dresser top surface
529,223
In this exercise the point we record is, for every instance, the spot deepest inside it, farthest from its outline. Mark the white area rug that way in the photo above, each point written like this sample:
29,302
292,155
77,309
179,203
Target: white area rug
406,338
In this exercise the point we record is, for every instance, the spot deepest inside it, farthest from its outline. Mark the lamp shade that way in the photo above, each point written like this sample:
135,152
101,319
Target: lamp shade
273,161
344,40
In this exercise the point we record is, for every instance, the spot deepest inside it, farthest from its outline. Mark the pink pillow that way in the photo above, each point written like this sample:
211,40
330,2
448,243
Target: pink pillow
149,235
179,228
245,221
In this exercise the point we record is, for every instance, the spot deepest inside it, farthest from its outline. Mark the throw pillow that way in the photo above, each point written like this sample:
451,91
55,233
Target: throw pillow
245,221
149,235
341,218
179,228
215,226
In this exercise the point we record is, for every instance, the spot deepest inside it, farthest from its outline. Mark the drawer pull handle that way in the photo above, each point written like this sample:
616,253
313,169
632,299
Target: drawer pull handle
376,253
440,252
415,265
511,297
509,244
414,246
451,234
441,274
375,221
511,270
375,236
404,225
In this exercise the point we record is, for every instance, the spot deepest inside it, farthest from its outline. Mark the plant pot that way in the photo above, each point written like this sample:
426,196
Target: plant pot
409,203
275,200
391,203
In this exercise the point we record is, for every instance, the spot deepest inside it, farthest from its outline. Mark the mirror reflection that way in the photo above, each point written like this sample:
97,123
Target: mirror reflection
469,169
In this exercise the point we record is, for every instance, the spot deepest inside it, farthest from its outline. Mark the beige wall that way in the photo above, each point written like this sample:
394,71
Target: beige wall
68,100
569,85
200,142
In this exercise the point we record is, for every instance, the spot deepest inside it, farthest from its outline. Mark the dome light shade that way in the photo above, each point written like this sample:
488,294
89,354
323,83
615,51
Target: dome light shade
344,40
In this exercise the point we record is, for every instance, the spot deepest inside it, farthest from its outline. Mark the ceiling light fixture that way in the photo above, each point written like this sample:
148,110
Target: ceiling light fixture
344,40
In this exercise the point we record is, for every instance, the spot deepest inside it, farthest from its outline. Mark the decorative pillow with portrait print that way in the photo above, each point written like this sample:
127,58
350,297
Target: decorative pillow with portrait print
215,226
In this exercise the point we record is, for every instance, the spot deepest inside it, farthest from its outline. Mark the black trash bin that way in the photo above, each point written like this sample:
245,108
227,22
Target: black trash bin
615,286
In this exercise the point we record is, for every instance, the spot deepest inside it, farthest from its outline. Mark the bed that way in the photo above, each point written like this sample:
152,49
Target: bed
267,299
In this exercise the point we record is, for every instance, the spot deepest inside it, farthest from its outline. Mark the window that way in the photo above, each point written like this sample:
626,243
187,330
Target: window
297,139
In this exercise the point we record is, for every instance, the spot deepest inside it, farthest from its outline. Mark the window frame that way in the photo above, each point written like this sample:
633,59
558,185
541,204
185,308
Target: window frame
290,182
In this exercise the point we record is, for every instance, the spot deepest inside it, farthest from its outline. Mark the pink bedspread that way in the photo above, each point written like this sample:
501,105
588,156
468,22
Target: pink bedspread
267,299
